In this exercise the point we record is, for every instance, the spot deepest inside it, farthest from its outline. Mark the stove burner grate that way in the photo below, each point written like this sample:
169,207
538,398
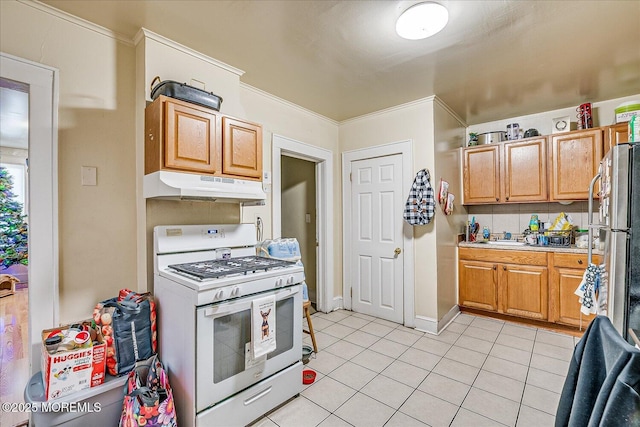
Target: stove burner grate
217,268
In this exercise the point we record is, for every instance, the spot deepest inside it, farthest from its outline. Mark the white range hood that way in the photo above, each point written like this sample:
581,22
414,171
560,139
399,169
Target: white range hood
188,186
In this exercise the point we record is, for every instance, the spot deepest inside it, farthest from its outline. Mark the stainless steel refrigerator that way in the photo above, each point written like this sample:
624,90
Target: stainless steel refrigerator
620,220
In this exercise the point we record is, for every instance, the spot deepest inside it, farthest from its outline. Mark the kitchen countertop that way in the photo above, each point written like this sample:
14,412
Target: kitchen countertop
571,249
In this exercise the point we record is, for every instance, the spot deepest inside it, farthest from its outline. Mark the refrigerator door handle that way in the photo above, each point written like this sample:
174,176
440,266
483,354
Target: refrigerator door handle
591,226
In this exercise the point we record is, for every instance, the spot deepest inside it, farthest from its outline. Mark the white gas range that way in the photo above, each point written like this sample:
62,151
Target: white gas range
204,310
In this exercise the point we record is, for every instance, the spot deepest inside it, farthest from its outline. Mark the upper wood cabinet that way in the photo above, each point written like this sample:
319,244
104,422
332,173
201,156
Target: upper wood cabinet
574,161
525,171
181,136
615,134
481,174
241,148
510,172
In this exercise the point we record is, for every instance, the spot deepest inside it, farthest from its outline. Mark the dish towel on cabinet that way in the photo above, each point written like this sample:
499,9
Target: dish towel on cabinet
420,206
589,289
263,326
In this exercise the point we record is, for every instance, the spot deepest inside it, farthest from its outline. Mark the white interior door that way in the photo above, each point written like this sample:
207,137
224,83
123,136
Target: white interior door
43,195
376,236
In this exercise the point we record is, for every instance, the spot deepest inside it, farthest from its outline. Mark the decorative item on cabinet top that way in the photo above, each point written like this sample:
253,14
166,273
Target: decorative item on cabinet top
185,92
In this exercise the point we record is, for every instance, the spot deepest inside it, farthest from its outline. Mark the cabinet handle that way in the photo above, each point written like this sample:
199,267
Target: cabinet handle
507,198
504,267
579,261
497,199
495,267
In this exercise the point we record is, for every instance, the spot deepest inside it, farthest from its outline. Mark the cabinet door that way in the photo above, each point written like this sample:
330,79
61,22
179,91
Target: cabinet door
189,138
241,149
481,174
478,285
614,135
566,303
525,171
575,157
524,291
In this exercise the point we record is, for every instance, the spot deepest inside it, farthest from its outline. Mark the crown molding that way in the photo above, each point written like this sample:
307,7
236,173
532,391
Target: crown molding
77,21
417,102
146,33
287,103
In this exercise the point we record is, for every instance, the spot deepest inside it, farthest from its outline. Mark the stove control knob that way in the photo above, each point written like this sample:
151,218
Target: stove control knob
235,292
279,282
290,280
220,295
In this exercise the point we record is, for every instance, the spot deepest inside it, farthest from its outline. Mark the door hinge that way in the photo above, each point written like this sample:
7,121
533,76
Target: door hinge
350,177
351,292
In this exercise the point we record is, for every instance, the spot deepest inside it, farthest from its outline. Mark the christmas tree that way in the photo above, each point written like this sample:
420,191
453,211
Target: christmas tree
13,228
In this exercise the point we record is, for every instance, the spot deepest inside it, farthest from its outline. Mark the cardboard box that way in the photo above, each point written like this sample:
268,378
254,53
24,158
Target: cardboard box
72,366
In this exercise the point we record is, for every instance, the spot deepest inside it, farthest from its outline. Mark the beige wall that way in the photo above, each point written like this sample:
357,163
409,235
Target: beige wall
436,135
96,128
282,118
100,124
449,137
299,199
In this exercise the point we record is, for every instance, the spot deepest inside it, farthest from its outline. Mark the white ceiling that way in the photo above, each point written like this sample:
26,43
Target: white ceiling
342,59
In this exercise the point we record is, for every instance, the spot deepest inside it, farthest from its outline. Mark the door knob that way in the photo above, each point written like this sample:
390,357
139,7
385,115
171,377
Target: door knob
397,251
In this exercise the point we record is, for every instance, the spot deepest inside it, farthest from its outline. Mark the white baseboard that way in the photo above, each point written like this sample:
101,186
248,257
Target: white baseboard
338,304
433,326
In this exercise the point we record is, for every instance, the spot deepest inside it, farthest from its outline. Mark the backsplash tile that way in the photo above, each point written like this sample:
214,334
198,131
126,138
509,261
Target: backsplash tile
515,218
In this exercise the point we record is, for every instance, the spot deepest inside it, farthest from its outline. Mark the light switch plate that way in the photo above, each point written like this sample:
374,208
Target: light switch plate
89,175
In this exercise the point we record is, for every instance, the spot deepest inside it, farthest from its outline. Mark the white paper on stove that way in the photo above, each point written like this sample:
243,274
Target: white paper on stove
263,326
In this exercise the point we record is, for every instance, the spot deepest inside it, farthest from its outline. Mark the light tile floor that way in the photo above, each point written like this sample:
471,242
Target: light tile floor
478,372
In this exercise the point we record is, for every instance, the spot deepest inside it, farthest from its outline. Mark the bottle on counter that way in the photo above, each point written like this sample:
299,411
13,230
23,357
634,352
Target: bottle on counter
533,223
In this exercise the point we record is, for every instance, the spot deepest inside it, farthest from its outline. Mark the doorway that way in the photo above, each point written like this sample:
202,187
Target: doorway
322,162
378,257
37,86
298,201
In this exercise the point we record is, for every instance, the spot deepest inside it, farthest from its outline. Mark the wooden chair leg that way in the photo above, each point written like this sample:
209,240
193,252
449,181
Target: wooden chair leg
306,306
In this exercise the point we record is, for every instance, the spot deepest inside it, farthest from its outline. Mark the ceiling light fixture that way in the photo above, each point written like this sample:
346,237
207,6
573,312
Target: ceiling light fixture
422,20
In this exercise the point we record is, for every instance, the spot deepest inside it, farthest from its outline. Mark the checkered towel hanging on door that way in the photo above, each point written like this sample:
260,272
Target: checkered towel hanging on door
421,203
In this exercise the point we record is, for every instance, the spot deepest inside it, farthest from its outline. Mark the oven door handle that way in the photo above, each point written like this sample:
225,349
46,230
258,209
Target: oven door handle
235,306
252,399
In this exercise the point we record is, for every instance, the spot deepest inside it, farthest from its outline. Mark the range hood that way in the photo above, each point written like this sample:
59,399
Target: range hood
188,186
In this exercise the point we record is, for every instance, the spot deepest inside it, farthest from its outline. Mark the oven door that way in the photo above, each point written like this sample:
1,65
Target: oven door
223,362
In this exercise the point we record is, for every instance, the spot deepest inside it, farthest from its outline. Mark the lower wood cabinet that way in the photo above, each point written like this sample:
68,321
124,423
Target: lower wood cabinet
525,290
504,281
566,276
526,284
478,284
